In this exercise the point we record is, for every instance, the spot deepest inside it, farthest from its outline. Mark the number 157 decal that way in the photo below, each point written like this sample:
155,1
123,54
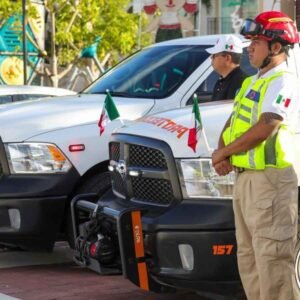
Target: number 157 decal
222,249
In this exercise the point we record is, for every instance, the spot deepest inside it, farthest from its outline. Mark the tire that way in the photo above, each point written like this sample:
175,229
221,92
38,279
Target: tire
99,184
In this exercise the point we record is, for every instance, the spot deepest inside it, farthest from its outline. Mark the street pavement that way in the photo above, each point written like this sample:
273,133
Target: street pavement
54,276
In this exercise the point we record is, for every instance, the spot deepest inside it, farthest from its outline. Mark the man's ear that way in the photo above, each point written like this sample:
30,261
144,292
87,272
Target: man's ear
228,58
276,48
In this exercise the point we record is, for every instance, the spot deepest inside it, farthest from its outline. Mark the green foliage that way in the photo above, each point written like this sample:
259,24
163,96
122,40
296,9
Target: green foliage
13,7
106,18
8,8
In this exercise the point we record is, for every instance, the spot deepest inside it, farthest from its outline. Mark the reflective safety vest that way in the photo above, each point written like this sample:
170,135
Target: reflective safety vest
276,151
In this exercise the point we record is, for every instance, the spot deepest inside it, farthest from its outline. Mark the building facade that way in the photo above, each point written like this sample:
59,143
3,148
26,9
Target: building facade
226,16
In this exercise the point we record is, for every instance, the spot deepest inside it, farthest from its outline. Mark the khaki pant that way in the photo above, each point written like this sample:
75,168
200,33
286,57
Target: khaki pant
266,218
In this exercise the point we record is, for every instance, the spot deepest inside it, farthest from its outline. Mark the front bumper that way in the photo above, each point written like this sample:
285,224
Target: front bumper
206,226
32,208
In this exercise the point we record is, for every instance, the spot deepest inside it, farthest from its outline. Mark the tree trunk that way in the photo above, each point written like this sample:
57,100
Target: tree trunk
54,77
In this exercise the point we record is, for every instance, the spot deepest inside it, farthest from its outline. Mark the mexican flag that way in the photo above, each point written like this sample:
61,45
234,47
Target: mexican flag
109,112
285,102
196,125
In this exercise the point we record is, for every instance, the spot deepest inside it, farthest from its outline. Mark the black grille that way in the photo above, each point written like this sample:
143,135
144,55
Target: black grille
156,191
143,170
114,151
146,157
118,183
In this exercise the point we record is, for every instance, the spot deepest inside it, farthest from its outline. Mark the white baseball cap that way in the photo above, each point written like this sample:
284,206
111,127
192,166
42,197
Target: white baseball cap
227,43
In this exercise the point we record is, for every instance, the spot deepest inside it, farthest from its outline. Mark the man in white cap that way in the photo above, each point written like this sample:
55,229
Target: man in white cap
226,57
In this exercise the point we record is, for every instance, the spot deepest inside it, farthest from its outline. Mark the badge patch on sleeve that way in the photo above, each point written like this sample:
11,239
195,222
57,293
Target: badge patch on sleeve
253,95
285,102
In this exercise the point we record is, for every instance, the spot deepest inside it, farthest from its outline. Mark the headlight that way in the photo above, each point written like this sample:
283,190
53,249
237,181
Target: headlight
199,180
36,158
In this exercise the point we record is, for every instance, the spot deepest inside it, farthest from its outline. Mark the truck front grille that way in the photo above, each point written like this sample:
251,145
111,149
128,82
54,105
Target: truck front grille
155,181
156,191
114,151
118,184
141,156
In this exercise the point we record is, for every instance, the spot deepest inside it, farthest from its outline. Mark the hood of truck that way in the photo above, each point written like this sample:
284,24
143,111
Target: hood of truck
23,120
173,127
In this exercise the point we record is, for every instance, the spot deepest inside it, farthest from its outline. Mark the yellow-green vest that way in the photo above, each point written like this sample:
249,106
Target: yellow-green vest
276,151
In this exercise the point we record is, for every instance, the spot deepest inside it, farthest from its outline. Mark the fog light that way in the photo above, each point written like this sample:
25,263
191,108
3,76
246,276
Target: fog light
187,256
15,218
134,173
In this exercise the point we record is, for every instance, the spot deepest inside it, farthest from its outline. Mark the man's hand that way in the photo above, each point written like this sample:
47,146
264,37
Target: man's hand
217,156
224,167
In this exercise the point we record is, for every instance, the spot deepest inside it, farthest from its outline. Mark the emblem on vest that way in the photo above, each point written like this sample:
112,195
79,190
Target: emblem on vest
253,95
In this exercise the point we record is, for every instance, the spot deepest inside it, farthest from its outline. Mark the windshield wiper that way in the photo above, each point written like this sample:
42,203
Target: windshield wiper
120,94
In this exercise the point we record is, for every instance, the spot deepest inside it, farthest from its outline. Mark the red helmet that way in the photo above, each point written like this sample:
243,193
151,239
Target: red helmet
271,25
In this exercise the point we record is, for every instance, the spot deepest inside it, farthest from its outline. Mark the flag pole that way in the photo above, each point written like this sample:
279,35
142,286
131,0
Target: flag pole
208,148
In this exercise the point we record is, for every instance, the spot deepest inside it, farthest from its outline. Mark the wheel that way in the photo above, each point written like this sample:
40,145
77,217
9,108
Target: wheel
99,184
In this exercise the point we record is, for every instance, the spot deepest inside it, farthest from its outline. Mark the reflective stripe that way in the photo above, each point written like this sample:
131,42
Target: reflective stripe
270,150
261,86
254,113
255,106
243,118
251,158
253,121
246,108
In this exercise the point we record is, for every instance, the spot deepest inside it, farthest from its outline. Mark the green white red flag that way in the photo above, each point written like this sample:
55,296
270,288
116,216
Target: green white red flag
285,102
196,125
109,112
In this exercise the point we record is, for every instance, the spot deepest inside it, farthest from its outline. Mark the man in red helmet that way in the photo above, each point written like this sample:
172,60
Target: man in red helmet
257,142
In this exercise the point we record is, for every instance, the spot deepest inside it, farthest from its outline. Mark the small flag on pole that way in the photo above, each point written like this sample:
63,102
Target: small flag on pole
196,126
109,112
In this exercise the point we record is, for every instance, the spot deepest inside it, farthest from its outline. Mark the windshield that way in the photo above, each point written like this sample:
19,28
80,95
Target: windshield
154,72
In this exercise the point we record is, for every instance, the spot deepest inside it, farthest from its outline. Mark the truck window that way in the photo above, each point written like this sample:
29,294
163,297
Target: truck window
204,91
154,72
5,99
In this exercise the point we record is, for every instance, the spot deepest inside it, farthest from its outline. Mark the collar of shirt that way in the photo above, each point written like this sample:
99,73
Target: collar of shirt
221,78
281,67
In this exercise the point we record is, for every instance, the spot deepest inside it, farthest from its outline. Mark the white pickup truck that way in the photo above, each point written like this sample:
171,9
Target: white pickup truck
51,150
168,221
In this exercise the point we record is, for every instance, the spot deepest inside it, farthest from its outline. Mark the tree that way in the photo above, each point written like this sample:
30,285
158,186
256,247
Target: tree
75,24
8,8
